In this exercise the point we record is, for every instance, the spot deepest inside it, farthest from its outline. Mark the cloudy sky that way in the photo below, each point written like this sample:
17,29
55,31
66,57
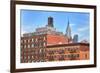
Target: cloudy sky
79,22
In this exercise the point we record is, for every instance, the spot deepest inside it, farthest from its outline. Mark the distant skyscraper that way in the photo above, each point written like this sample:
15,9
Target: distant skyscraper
75,38
68,31
50,22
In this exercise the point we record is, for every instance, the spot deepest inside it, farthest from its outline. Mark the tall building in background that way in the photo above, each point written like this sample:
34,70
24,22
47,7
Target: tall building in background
68,32
75,39
50,22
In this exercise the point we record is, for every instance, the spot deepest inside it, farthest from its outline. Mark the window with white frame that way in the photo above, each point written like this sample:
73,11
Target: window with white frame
28,46
24,46
32,40
24,41
32,45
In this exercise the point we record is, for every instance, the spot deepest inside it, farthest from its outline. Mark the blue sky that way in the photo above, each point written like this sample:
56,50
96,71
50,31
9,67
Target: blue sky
79,22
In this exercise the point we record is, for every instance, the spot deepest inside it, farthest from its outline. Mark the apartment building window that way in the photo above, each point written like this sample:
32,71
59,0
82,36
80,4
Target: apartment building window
40,44
68,49
28,57
44,44
28,46
28,40
21,57
72,50
24,46
21,46
77,49
36,39
32,40
32,45
32,57
51,58
61,57
73,56
35,45
24,57
61,51
40,51
30,61
77,55
44,38
21,41
24,41
85,56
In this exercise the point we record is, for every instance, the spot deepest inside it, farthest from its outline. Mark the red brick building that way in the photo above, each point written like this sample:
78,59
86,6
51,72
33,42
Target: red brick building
73,51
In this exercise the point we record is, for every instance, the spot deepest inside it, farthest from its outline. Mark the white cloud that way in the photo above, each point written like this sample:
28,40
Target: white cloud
72,25
82,33
28,28
22,32
83,29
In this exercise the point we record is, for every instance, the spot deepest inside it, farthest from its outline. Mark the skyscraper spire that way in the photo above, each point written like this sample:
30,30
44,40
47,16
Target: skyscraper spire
68,30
